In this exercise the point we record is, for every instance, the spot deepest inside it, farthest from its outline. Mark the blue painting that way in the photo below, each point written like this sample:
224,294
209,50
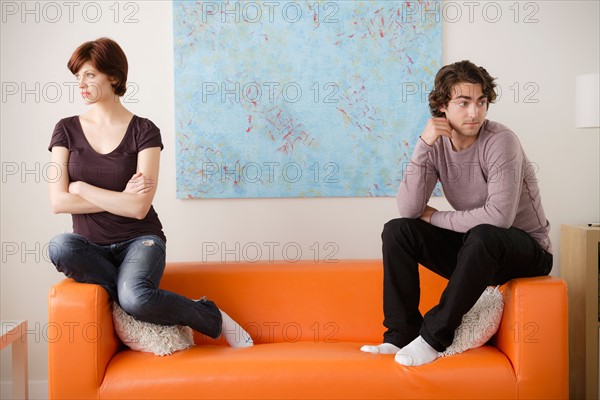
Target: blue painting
300,98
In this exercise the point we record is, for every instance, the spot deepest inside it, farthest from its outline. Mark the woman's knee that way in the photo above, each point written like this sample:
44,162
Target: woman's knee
62,246
135,298
147,251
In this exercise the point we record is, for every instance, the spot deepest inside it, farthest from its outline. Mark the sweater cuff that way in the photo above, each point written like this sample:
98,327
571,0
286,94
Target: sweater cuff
437,219
421,151
425,143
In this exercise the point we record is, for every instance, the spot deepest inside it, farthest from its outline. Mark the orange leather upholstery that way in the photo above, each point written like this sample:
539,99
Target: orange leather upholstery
308,321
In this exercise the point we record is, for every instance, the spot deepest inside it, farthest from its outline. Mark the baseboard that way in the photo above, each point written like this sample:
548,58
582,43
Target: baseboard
37,390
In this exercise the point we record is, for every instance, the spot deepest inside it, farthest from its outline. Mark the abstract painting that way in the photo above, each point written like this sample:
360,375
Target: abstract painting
300,98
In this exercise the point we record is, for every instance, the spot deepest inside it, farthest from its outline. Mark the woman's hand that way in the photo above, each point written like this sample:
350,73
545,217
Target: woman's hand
139,184
75,187
133,202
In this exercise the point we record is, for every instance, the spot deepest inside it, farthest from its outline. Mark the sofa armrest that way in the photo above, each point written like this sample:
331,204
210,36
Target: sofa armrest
81,339
533,334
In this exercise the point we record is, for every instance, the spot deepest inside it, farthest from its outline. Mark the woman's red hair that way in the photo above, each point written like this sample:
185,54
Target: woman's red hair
107,57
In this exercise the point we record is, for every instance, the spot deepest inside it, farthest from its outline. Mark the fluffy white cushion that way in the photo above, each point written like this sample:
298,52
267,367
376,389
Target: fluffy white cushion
479,324
152,338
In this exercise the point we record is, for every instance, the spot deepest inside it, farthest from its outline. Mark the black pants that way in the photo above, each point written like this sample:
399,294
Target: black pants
485,255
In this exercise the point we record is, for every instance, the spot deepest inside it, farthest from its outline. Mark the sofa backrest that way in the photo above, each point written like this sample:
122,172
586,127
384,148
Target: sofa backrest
303,301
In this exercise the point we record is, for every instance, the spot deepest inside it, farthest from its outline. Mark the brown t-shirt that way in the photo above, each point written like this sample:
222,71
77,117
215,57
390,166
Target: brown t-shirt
109,171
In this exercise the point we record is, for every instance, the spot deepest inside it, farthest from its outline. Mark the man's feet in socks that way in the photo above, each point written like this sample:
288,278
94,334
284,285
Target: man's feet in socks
234,334
418,352
384,348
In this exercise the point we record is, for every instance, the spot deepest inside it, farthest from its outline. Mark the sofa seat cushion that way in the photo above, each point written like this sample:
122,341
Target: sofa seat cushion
304,370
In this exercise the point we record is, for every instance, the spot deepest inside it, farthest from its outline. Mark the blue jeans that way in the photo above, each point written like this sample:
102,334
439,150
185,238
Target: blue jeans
130,272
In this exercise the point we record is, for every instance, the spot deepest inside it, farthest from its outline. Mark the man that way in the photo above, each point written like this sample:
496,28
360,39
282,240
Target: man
497,232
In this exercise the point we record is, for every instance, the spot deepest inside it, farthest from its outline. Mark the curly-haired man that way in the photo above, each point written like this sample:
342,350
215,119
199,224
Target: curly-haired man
497,231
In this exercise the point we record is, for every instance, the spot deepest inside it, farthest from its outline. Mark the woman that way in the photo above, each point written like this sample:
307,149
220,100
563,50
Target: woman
109,160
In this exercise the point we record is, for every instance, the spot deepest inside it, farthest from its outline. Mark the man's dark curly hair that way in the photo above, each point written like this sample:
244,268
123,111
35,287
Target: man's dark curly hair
453,74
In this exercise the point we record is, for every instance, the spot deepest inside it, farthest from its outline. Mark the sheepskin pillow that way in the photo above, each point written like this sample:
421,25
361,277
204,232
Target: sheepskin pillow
152,338
479,324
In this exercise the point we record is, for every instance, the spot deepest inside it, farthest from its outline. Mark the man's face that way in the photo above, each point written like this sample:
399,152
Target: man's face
466,109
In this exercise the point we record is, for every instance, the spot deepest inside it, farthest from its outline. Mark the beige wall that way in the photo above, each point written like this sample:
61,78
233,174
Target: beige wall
535,53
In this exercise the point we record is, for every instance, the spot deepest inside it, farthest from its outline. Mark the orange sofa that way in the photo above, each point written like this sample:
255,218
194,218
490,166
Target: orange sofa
308,321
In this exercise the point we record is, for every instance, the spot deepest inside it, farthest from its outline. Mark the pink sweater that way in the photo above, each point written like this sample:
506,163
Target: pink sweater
491,182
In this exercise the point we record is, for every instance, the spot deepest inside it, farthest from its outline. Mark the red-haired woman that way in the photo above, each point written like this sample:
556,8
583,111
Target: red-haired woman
109,160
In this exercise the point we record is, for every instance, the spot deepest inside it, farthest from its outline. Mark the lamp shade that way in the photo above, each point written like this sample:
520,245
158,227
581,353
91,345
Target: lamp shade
587,101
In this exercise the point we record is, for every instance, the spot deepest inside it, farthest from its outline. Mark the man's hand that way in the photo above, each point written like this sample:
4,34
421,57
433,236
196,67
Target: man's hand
426,216
435,128
139,184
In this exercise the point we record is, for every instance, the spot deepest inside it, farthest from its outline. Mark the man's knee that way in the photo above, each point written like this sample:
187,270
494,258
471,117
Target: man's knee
400,228
394,226
483,232
484,236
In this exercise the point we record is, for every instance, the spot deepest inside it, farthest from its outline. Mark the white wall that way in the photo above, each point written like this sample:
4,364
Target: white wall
540,58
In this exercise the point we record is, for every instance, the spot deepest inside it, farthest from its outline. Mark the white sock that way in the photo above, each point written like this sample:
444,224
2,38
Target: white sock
417,352
234,334
383,348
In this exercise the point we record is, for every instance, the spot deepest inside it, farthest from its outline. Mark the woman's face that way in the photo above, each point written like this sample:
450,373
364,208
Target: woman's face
94,86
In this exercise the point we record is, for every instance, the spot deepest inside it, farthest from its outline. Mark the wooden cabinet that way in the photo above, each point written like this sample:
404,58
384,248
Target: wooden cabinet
579,267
